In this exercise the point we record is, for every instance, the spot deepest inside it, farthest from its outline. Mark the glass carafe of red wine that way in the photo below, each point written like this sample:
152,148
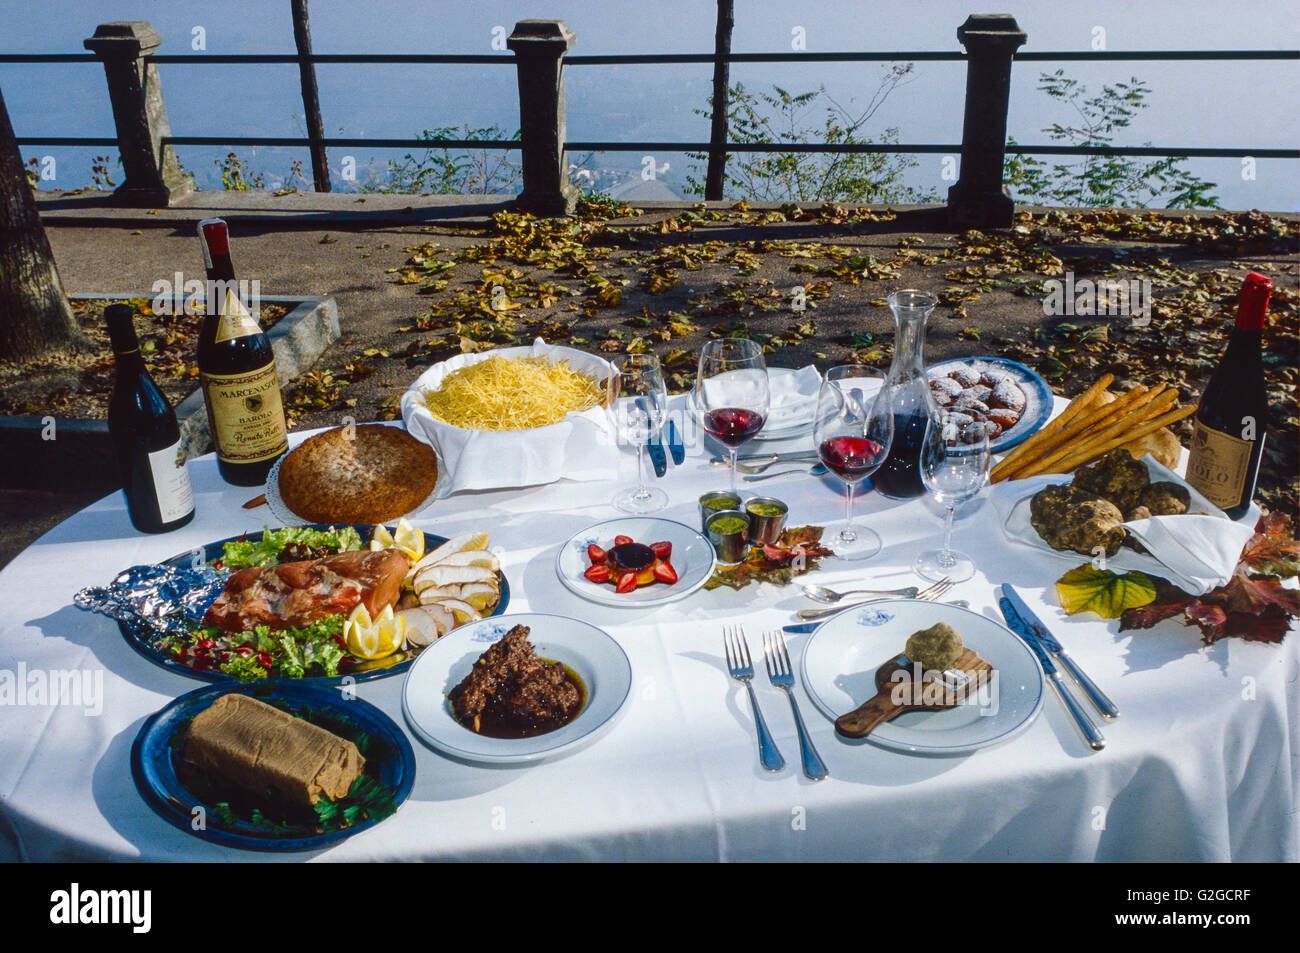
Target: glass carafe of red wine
899,477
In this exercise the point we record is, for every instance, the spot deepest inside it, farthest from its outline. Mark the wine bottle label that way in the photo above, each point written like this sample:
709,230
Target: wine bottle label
171,483
246,414
1218,465
235,321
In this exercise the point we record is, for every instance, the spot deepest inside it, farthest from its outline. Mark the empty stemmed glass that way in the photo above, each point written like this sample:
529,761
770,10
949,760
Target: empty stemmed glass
731,392
954,468
853,432
636,399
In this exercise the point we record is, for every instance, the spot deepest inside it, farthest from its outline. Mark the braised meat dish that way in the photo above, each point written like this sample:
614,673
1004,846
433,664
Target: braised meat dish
512,693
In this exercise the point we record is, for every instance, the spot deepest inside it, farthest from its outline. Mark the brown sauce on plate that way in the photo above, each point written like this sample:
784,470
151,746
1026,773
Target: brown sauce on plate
500,722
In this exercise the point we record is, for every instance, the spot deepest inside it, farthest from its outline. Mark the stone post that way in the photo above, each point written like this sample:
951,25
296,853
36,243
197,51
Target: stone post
153,176
539,47
977,200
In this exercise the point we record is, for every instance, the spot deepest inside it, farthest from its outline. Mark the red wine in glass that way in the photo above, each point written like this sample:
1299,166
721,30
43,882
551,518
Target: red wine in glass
852,459
732,425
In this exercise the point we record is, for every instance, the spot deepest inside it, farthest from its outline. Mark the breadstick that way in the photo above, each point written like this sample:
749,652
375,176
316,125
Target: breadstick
1085,421
1139,409
1150,426
1041,440
1055,462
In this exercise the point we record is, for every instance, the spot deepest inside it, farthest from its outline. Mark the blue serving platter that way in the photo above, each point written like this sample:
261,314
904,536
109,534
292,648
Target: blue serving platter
391,761
1038,396
362,671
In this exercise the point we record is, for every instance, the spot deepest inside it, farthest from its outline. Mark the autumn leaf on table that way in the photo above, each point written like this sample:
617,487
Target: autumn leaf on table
1088,589
795,553
1254,605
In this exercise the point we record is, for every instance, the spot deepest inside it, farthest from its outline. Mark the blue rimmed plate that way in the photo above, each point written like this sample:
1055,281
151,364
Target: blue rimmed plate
362,671
1038,396
389,760
591,653
693,559
840,660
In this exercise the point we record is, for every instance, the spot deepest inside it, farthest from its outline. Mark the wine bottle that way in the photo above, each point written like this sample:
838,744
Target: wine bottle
237,371
146,438
1228,437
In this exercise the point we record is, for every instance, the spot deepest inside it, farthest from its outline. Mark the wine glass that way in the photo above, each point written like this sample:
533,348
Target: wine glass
853,432
636,400
731,392
954,468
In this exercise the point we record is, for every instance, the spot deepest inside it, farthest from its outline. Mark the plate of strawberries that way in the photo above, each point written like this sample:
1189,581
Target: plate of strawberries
636,561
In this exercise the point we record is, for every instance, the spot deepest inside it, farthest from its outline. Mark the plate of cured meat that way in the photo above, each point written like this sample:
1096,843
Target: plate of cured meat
1011,400
298,614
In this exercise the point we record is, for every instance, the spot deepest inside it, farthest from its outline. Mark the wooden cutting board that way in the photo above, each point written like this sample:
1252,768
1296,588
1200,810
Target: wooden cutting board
929,696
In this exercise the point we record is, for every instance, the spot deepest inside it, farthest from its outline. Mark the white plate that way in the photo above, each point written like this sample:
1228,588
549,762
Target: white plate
841,658
692,558
599,661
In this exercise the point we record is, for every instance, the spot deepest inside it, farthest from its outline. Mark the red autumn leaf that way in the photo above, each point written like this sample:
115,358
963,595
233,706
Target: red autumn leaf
1252,606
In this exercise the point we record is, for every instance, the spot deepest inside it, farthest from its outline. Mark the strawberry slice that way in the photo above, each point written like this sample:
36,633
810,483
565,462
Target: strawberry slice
598,573
596,554
665,572
622,540
662,550
626,582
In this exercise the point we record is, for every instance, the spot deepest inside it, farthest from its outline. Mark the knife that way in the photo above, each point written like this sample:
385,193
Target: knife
1095,695
786,457
657,455
1024,630
675,445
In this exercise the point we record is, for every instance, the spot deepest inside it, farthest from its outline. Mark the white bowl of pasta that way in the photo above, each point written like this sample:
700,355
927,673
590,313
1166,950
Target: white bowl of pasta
516,416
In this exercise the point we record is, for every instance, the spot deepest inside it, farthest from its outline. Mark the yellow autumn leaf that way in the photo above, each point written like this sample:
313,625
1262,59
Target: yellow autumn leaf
1088,589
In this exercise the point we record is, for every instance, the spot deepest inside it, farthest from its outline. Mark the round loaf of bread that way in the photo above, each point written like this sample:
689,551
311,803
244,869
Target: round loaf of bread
359,474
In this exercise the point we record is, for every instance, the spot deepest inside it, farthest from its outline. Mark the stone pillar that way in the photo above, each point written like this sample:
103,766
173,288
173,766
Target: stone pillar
539,47
153,176
977,200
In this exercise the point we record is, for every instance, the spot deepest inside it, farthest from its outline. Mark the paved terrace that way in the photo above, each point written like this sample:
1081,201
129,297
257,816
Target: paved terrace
414,278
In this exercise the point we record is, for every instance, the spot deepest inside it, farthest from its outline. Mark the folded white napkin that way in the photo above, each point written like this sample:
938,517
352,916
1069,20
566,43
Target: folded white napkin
581,447
792,395
1196,551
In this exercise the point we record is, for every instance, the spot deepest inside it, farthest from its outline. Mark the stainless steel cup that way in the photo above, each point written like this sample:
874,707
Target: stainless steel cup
732,546
766,527
720,500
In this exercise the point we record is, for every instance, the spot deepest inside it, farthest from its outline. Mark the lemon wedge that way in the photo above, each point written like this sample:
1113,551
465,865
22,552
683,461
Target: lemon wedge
409,540
375,638
381,538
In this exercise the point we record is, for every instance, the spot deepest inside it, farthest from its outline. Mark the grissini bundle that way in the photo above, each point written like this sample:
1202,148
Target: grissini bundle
1092,429
1031,447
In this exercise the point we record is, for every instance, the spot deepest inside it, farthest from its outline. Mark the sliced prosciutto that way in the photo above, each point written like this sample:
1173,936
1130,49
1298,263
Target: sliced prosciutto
299,593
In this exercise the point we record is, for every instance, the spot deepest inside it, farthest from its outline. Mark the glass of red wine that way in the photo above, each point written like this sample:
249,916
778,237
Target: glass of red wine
853,432
731,393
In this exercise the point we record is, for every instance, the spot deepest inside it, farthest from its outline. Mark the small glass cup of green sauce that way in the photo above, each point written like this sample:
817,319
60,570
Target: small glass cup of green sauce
728,531
766,519
715,502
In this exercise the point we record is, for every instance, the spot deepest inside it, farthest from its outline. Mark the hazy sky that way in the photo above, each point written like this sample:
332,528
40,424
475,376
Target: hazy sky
1191,104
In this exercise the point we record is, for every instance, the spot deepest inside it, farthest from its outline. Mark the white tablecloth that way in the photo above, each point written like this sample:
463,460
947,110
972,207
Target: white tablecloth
1202,765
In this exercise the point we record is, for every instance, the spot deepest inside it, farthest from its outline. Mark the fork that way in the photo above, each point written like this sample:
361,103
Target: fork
929,594
780,675
741,669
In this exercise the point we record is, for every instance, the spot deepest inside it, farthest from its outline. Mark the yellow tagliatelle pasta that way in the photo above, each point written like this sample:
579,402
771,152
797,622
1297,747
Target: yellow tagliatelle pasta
506,393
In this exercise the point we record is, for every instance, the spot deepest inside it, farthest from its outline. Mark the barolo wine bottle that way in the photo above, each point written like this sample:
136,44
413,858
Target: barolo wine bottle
237,370
1228,437
146,438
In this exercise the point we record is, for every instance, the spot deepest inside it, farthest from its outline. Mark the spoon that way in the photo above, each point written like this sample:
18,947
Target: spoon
830,596
815,470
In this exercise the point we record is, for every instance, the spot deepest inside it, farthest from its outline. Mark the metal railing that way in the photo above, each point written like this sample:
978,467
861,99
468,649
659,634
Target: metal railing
557,55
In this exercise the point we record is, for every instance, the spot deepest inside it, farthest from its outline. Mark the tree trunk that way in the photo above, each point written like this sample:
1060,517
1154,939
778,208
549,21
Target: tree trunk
320,168
34,312
716,172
